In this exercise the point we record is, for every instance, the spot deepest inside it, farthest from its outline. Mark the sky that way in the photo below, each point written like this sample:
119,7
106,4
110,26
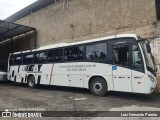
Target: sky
9,7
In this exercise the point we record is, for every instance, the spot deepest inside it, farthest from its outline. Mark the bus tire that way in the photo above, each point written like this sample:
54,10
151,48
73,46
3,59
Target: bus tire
31,82
98,86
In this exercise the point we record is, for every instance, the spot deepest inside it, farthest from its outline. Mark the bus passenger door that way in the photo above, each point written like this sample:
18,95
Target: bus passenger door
138,76
122,80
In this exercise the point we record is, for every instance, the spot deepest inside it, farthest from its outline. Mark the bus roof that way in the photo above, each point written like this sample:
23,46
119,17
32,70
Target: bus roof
86,41
80,42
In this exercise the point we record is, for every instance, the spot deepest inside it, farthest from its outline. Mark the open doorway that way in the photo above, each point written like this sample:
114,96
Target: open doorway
121,55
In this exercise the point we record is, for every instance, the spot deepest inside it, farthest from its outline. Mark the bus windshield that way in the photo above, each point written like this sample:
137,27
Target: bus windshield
150,63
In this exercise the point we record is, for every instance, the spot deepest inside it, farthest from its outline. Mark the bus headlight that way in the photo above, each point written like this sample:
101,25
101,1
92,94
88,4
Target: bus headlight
151,78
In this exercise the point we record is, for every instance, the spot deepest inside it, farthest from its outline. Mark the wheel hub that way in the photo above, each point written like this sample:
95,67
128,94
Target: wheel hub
31,82
97,87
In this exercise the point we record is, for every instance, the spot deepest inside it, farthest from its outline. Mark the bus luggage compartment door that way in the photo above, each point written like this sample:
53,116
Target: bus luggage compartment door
122,79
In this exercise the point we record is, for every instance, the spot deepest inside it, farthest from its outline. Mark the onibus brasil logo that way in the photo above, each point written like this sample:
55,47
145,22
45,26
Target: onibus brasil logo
7,113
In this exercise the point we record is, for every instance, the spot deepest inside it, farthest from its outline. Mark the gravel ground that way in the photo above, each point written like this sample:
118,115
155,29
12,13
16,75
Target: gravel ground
51,98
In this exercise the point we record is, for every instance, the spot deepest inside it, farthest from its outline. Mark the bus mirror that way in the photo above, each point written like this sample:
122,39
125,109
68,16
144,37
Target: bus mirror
148,48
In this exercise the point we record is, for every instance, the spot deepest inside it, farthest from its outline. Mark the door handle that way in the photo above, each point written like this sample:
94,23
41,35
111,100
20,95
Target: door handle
121,77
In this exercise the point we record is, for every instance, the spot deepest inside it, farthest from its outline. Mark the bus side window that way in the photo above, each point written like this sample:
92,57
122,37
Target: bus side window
90,52
28,59
74,53
59,55
80,52
18,60
40,57
96,51
101,50
50,56
69,54
11,60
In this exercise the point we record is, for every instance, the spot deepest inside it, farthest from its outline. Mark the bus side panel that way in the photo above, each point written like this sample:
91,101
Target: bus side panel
39,71
13,73
77,74
19,75
141,83
138,82
109,82
23,73
101,70
60,80
45,73
76,81
60,76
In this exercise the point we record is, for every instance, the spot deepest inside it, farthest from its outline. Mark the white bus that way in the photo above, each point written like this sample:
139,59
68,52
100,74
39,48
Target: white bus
115,63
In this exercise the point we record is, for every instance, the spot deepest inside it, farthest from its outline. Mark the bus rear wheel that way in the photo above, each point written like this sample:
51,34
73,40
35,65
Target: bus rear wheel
98,86
31,82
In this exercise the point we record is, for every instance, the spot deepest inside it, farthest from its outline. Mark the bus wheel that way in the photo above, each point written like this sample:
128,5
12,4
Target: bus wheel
98,86
31,82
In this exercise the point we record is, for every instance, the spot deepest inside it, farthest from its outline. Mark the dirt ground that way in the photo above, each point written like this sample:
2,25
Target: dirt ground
15,96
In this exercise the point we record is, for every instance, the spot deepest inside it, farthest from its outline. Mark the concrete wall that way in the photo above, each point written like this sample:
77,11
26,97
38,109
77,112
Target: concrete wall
155,43
75,20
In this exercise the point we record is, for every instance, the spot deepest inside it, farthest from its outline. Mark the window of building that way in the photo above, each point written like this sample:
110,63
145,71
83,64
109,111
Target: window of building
96,51
18,60
59,55
28,59
51,56
40,57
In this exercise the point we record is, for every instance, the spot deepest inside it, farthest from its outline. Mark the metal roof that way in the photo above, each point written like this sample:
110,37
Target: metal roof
30,9
9,30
